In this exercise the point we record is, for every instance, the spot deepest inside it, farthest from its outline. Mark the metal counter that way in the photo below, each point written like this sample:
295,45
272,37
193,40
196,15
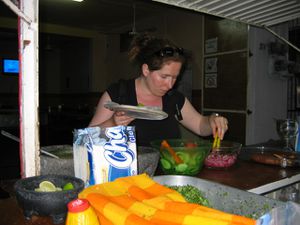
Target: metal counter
225,198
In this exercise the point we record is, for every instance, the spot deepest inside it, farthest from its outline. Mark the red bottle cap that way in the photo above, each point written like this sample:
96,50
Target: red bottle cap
78,205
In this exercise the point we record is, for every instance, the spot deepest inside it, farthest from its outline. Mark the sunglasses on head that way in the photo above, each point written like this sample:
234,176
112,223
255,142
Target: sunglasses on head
169,51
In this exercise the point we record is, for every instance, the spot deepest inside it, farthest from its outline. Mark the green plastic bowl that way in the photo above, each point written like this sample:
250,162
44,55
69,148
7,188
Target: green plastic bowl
191,152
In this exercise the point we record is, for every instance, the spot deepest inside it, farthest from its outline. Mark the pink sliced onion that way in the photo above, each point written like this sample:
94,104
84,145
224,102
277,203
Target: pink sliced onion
220,161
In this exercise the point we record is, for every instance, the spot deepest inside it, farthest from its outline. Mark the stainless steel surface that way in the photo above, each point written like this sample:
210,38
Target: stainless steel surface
225,198
138,112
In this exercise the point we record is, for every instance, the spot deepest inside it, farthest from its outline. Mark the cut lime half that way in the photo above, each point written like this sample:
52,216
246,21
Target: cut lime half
47,186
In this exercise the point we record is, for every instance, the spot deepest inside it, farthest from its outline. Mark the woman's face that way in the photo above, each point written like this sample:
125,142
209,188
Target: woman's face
161,81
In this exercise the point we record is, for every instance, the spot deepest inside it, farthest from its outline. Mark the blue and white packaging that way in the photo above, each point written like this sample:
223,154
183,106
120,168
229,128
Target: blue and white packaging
102,155
287,214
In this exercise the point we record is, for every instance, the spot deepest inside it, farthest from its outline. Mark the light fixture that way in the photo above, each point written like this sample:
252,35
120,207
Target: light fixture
78,0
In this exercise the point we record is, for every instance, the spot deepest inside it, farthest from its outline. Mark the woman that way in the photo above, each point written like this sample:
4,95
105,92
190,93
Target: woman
160,62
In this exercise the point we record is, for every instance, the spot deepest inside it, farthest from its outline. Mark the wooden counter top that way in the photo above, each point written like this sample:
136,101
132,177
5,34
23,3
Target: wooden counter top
254,177
11,214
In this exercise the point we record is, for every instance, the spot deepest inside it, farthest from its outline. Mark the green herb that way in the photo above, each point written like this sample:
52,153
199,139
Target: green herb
266,207
191,194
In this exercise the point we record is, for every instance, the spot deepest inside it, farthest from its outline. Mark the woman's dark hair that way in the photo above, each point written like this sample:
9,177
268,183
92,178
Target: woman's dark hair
154,51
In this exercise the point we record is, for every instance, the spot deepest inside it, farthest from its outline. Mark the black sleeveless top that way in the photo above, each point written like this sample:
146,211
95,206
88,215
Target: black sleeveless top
123,92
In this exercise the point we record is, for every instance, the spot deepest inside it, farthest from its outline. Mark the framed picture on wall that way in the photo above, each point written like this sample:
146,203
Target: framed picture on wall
211,45
211,80
211,65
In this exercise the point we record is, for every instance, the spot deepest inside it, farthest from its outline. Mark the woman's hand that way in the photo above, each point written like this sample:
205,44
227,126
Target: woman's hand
218,124
121,119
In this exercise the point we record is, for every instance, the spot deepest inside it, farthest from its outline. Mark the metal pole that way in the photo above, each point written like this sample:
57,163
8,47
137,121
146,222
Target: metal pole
282,39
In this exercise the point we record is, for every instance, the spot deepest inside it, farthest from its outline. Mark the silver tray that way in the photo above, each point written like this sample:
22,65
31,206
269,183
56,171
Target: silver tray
138,112
225,198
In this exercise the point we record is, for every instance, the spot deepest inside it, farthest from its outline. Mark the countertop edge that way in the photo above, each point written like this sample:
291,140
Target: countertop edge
264,189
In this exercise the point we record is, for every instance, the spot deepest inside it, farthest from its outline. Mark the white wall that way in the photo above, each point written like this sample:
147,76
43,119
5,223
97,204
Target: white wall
267,98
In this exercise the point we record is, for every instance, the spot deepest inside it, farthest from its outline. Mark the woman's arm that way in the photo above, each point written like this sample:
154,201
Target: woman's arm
203,125
104,117
102,114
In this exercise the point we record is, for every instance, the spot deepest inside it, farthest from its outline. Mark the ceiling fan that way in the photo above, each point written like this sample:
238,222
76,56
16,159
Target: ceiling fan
134,31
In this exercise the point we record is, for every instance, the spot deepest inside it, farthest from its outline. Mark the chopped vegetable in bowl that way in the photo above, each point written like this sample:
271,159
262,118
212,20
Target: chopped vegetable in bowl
179,156
224,156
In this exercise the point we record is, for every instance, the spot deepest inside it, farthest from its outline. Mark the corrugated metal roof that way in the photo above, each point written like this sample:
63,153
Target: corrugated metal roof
254,12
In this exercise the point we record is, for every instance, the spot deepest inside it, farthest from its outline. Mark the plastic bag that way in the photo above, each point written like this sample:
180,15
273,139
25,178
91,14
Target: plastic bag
288,214
102,155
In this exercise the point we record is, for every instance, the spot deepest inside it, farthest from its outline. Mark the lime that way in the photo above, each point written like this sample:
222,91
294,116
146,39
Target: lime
46,186
68,186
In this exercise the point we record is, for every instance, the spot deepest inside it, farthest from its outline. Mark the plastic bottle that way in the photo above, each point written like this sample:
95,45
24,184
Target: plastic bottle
81,213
